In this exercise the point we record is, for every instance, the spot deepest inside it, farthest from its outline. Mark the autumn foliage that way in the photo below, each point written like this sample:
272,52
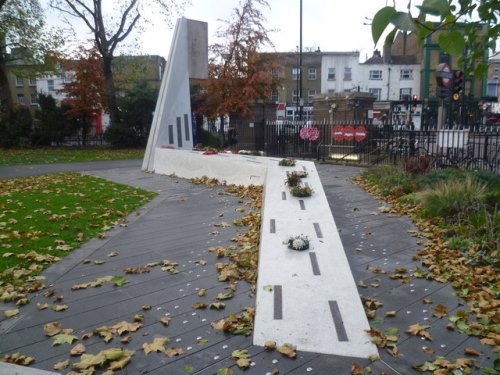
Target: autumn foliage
238,73
85,92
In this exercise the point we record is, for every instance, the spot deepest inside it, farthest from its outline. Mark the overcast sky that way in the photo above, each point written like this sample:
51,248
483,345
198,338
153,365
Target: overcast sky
331,25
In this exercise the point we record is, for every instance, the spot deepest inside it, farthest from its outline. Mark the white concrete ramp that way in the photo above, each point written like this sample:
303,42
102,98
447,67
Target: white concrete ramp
307,298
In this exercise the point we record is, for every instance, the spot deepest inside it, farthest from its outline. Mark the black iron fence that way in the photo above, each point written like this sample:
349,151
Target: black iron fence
79,141
364,143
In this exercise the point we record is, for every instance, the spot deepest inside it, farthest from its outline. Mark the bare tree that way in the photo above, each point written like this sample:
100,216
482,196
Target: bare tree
110,29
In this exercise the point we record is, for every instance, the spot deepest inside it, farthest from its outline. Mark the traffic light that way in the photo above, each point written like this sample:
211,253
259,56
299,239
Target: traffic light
458,85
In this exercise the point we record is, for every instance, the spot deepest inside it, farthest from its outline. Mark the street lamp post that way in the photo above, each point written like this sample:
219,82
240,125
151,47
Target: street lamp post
300,65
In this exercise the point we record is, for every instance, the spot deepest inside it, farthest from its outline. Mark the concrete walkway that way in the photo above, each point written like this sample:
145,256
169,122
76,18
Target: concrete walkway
178,225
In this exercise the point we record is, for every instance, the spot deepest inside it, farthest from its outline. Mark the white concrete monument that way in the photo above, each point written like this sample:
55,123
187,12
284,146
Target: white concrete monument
172,120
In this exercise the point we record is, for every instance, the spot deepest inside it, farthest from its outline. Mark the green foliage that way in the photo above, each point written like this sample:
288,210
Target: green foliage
450,198
15,128
465,25
207,139
137,108
122,136
390,179
52,125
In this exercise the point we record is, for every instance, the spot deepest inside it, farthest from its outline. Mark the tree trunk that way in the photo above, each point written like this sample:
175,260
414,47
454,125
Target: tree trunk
109,90
5,94
221,131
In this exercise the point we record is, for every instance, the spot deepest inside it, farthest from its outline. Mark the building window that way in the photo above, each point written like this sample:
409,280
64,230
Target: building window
50,85
19,82
311,74
295,74
33,99
20,98
275,96
331,91
377,93
32,82
310,95
67,77
406,74
347,74
295,96
275,73
331,74
375,74
404,94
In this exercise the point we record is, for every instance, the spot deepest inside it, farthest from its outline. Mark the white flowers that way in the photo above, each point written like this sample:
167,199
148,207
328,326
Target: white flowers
300,242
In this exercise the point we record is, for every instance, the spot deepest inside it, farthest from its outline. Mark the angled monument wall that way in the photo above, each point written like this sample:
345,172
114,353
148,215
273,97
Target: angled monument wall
172,122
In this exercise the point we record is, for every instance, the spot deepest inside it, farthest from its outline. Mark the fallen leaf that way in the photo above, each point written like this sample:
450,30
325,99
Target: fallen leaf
18,359
42,306
77,350
202,292
357,369
440,311
165,320
224,296
242,358
63,338
217,305
202,341
419,330
270,345
157,345
199,305
10,313
113,254
52,329
146,307
391,314
119,280
472,351
59,307
287,350
174,352
126,339
59,366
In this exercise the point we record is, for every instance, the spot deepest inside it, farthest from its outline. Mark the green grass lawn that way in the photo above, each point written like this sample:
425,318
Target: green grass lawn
47,216
61,155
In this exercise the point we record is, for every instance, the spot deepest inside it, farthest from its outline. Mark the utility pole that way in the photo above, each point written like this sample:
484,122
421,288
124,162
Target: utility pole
300,65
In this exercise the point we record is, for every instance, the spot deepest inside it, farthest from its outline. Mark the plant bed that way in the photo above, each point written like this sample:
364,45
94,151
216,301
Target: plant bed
301,191
287,163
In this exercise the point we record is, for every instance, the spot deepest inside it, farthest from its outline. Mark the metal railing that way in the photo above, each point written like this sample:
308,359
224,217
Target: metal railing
367,144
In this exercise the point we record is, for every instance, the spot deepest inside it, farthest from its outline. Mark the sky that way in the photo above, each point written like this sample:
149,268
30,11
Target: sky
331,25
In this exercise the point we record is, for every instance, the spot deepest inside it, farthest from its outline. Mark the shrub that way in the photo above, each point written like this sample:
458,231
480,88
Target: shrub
452,198
301,191
390,179
417,165
121,136
207,139
286,163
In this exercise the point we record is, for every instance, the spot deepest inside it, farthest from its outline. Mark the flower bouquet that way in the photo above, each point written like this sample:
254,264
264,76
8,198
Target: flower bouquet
299,243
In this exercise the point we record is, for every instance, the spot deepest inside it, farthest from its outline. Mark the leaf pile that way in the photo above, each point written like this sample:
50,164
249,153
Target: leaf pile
477,284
